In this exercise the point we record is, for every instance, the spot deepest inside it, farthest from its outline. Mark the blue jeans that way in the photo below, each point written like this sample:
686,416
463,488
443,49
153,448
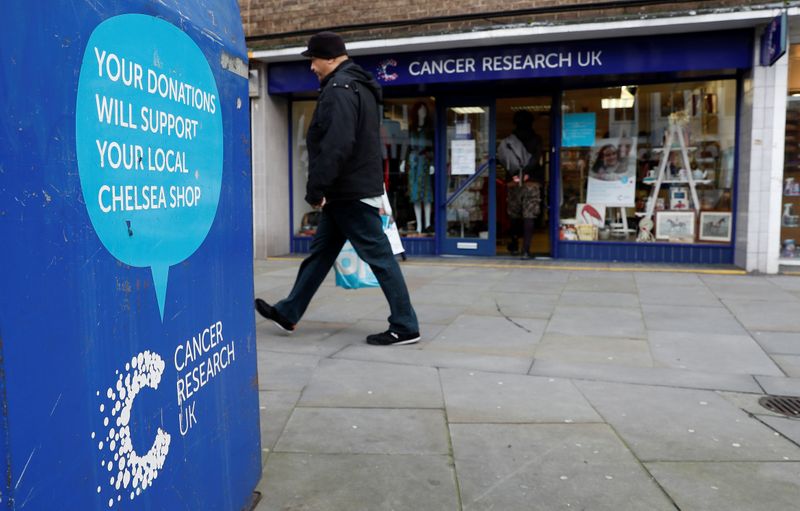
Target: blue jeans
361,224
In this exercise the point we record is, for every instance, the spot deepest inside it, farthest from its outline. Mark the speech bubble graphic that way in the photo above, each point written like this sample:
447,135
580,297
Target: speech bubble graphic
149,143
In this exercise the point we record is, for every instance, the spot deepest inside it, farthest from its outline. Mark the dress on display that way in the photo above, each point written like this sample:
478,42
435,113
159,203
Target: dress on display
420,187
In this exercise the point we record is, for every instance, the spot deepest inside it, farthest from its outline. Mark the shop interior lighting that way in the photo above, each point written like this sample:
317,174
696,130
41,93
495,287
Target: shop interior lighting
463,110
531,108
625,100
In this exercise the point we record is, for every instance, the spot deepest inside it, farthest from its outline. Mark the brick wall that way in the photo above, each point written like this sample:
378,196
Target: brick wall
279,23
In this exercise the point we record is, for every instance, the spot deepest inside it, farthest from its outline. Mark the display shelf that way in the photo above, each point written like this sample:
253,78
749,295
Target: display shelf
675,132
783,261
677,181
675,148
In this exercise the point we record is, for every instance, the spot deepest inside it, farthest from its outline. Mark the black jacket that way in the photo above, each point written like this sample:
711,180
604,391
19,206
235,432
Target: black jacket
343,139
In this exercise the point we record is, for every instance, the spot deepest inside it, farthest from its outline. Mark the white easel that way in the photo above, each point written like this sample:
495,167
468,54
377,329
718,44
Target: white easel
676,124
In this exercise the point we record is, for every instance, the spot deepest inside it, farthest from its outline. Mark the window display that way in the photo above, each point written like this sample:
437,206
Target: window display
790,214
642,154
408,165
305,218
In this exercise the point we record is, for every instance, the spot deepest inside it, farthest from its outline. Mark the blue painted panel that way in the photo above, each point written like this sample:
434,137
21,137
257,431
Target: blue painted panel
646,252
702,51
127,363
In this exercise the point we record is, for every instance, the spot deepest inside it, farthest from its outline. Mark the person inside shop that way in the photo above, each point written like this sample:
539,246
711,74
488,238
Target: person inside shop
521,155
345,182
419,165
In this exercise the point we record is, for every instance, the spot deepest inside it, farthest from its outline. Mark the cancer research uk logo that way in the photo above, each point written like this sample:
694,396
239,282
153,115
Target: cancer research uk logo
384,73
129,472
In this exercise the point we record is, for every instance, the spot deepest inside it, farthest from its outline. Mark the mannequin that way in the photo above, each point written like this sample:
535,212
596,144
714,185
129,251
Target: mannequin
419,163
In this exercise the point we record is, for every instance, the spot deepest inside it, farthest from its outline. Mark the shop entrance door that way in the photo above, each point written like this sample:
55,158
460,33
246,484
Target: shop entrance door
530,120
467,211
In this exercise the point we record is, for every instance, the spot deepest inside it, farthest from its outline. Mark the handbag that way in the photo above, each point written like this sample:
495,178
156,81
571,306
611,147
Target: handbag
351,271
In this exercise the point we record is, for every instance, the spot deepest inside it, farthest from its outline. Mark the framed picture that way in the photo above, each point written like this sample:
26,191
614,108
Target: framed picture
675,226
715,226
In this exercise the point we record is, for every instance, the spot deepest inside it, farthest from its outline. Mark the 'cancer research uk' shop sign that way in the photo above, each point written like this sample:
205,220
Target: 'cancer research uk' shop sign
699,51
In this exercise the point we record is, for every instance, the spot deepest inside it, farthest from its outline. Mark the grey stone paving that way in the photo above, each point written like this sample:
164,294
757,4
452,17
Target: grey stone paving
534,388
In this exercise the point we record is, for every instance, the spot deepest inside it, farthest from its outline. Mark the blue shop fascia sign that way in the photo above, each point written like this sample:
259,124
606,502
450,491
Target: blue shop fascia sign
668,53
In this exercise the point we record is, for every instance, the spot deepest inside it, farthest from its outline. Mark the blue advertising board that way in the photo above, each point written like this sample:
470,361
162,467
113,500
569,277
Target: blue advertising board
128,373
652,54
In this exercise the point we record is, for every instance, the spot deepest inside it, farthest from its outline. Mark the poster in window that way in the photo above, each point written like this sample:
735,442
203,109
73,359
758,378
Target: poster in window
462,157
612,174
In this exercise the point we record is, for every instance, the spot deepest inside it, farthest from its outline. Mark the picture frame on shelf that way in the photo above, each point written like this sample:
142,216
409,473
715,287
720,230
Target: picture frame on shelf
676,226
716,226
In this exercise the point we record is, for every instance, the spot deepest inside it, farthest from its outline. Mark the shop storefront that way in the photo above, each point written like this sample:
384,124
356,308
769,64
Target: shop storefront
636,146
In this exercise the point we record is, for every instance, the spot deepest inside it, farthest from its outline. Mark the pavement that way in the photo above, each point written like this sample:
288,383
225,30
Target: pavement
538,386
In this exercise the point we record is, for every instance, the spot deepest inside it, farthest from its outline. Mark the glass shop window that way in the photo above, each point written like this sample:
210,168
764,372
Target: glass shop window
408,164
651,163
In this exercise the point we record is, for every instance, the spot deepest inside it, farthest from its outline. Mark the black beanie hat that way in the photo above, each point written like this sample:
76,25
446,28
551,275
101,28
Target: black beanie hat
325,45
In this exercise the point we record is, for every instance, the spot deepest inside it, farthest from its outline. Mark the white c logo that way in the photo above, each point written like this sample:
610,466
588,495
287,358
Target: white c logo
138,472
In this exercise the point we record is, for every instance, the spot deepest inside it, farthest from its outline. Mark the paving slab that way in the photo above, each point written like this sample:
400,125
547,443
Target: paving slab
475,396
722,353
430,357
593,298
364,431
588,349
778,343
346,305
789,364
310,338
661,376
603,282
788,427
347,482
348,383
730,486
665,424
673,318
356,333
489,335
786,282
275,407
284,371
437,314
549,467
600,321
666,294
650,280
442,294
470,277
517,305
766,316
534,282
780,386
748,403
747,287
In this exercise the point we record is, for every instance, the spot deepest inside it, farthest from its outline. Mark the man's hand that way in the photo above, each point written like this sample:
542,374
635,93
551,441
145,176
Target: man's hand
320,205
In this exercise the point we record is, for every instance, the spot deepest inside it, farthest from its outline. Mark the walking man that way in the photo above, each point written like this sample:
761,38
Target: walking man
345,181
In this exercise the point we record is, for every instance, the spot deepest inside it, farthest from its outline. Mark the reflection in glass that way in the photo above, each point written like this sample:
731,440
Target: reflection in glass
468,172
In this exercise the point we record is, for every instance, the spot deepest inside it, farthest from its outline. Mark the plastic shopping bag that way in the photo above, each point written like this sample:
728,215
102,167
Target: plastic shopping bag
390,227
351,271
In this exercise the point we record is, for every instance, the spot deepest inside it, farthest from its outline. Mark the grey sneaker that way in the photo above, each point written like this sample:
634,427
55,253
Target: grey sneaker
269,312
389,338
